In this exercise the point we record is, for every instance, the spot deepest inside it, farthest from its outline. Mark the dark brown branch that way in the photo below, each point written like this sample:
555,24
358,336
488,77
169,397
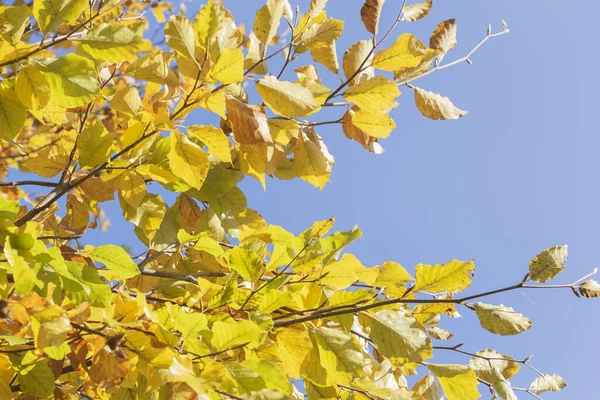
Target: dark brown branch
28,183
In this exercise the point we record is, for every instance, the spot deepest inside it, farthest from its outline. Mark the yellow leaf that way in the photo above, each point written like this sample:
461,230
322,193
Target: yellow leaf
458,381
248,122
351,131
73,80
283,130
342,273
398,336
454,276
501,320
326,55
377,94
187,160
229,68
50,14
50,327
406,52
548,264
393,277
111,42
414,12
444,36
268,18
248,262
227,335
312,161
12,114
353,60
179,34
14,20
214,138
127,101
254,159
47,163
32,88
486,361
435,106
316,7
319,35
294,345
370,13
77,218
94,145
335,358
132,188
254,62
286,98
115,259
6,374
375,124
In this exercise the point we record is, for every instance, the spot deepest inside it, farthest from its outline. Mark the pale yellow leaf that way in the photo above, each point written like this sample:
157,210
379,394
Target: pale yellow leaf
435,106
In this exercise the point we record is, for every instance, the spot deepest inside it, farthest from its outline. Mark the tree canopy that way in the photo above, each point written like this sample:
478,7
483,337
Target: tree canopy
221,304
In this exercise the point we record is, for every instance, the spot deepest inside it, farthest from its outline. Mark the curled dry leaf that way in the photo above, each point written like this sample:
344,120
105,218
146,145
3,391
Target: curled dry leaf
370,13
590,289
415,12
435,106
547,383
443,37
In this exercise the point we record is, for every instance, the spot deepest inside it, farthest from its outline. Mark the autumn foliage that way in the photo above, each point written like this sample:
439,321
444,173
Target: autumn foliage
221,304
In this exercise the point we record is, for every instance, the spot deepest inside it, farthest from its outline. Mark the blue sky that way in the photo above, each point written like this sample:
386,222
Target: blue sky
518,174
515,176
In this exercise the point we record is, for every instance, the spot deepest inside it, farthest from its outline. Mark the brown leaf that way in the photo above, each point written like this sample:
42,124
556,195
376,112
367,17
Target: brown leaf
443,37
248,122
353,132
435,106
590,289
370,13
415,12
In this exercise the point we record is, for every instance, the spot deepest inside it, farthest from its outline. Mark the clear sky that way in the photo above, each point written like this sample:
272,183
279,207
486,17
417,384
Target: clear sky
518,174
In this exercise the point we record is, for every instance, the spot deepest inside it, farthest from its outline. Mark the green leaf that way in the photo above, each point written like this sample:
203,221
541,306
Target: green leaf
187,160
50,14
35,377
73,80
458,381
8,209
14,21
115,259
398,335
94,288
111,42
454,276
12,114
548,264
501,320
